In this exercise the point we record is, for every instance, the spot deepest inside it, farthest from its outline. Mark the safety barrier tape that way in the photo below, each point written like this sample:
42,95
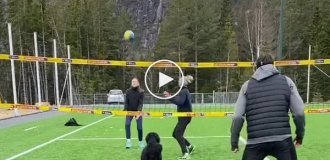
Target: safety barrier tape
164,64
137,113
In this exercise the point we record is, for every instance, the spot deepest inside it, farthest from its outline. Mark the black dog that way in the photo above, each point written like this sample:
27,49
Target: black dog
153,150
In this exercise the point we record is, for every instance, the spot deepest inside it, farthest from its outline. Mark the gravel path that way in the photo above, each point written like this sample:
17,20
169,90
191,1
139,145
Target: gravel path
28,118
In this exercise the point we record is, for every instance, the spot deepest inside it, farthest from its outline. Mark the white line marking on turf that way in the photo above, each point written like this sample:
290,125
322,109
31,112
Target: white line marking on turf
245,142
55,139
30,128
120,138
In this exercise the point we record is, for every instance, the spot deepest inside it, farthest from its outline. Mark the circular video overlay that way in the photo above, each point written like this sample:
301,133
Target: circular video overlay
163,78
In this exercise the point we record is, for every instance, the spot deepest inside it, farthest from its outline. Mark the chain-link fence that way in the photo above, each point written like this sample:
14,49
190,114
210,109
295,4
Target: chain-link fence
197,98
217,101
206,102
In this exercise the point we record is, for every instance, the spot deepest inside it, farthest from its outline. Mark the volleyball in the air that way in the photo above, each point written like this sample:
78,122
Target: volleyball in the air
128,35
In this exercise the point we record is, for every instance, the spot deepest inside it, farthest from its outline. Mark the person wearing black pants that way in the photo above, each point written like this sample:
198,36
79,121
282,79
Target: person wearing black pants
183,102
265,101
179,132
134,102
281,150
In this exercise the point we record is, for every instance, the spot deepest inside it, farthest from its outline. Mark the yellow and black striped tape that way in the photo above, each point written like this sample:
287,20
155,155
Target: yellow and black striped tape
165,114
164,64
145,114
25,106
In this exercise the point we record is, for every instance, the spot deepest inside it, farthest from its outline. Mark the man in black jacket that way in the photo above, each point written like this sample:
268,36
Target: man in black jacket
264,101
183,102
134,102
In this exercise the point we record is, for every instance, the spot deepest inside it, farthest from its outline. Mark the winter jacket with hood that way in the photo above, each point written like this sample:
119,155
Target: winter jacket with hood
252,102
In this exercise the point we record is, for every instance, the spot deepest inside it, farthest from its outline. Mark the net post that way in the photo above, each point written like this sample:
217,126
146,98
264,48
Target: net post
70,79
37,66
11,50
56,75
309,73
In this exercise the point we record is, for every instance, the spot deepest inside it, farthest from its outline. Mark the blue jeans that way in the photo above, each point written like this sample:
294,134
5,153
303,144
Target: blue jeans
128,122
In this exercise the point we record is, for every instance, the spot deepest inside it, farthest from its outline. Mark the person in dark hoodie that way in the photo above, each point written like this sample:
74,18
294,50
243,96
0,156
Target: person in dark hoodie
134,102
183,102
264,101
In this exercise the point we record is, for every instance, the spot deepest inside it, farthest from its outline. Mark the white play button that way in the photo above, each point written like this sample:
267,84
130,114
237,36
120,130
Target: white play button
163,79
168,74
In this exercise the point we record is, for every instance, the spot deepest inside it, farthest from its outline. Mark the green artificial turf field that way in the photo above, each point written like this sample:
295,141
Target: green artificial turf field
104,139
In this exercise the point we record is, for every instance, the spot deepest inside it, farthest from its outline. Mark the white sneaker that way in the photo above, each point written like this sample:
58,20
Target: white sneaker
185,156
141,145
128,144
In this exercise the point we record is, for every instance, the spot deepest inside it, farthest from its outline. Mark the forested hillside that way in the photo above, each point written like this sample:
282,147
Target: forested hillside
180,30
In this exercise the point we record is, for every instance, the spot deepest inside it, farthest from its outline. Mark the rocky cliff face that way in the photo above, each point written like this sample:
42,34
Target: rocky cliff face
148,15
3,36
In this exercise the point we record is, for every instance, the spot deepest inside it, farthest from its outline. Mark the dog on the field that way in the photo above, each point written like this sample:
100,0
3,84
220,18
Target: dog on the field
153,150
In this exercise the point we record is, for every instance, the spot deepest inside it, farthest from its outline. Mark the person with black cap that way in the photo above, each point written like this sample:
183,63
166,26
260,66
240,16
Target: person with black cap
183,102
264,101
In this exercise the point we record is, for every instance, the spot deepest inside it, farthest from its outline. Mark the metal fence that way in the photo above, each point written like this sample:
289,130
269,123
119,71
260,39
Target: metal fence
197,98
202,102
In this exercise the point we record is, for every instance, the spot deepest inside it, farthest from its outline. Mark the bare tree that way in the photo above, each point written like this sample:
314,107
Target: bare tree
257,21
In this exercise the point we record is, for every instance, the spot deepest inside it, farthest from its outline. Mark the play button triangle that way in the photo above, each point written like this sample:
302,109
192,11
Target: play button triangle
163,79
